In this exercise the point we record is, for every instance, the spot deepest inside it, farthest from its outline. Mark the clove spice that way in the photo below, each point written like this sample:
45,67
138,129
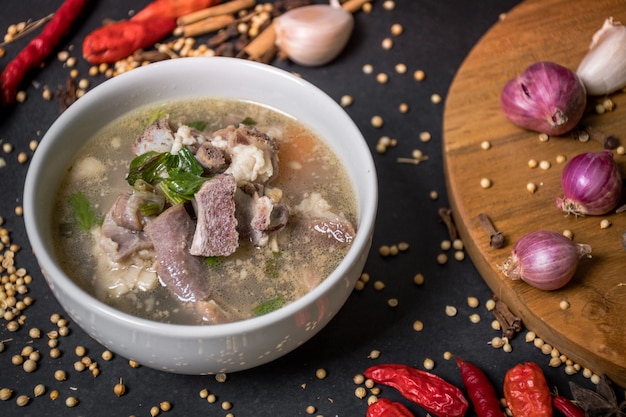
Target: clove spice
445,215
496,238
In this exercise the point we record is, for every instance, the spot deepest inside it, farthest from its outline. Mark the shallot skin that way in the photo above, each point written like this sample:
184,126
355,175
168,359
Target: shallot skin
545,259
591,183
546,98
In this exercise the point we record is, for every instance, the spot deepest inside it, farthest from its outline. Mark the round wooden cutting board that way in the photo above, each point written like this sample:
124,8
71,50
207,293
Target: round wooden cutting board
592,331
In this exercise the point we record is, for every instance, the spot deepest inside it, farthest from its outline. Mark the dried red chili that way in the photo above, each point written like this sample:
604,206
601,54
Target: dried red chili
384,407
38,49
567,407
526,391
481,392
428,390
110,43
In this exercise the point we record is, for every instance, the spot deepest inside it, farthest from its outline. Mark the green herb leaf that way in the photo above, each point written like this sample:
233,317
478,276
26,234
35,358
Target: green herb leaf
213,261
248,121
198,125
272,264
184,184
150,208
269,306
158,114
84,212
147,167
188,162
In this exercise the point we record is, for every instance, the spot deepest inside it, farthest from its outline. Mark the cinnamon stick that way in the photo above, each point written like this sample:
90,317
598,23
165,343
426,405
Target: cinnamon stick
208,25
262,48
225,8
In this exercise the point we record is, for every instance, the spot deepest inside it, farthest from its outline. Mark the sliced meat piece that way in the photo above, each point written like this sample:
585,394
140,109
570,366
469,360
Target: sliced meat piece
119,242
257,215
253,154
182,273
216,230
126,209
157,137
211,158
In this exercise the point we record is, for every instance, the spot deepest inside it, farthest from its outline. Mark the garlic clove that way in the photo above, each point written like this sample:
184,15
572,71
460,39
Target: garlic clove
313,35
603,69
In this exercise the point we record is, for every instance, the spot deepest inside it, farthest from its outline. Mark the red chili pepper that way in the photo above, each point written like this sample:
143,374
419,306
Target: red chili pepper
526,391
428,390
384,407
38,49
567,407
481,392
172,9
110,43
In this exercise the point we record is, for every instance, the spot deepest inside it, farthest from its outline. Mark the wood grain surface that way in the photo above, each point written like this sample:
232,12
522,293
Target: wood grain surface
592,331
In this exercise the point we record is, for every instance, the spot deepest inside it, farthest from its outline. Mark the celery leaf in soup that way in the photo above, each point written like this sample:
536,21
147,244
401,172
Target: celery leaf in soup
271,265
214,261
84,212
178,176
248,121
198,125
269,306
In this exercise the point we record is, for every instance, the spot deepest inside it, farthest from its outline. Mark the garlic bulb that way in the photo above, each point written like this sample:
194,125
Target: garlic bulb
313,35
603,69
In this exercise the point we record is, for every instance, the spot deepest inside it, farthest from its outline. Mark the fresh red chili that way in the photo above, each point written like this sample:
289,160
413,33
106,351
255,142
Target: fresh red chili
384,407
526,391
428,390
567,407
481,392
38,49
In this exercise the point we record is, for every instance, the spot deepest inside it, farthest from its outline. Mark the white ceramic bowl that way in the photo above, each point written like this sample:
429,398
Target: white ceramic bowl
184,348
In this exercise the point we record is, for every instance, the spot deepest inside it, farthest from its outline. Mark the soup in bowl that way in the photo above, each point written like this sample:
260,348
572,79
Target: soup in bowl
202,215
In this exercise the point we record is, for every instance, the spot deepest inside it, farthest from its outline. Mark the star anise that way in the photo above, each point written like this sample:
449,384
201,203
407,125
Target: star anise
599,403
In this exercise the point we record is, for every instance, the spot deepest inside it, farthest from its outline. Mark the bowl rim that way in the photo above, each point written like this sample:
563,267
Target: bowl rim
366,215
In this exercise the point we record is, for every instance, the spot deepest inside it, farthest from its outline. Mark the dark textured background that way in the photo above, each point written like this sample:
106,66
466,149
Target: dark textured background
437,36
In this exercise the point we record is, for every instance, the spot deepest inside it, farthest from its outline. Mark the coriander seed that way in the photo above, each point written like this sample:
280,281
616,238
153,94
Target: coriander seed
374,354
419,75
5,394
564,305
429,364
418,325
360,392
107,355
154,411
418,279
485,183
472,302
451,311
22,400
165,406
119,389
39,390
29,365
320,373
60,375
71,402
